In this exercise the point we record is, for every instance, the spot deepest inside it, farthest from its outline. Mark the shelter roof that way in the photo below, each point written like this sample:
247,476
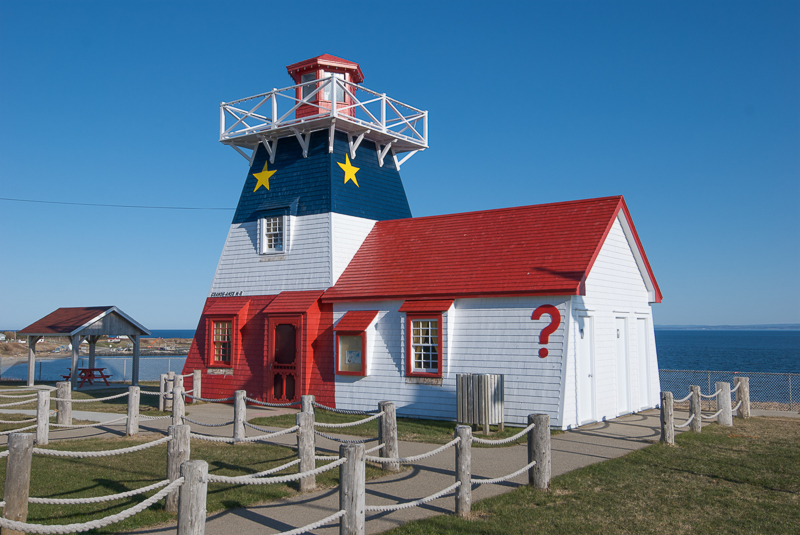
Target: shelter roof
73,320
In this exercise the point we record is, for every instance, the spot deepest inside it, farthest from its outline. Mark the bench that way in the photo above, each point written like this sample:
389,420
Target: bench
90,374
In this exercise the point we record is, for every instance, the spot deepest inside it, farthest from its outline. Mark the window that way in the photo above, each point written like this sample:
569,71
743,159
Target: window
339,90
271,235
351,353
223,341
305,79
425,345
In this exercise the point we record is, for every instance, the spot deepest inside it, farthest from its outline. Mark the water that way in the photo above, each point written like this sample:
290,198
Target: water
746,350
120,368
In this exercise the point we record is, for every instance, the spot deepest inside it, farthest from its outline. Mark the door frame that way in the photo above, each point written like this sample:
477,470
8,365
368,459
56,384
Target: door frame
270,367
626,346
587,319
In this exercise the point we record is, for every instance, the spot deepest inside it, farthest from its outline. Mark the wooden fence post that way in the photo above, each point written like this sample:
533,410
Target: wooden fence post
170,386
197,384
18,479
667,420
464,470
307,404
162,391
352,489
695,409
306,449
387,434
178,451
178,407
192,500
64,408
132,424
42,417
724,403
239,414
743,396
541,450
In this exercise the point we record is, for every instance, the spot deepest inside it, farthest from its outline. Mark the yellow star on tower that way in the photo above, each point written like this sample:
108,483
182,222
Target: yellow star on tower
349,170
263,177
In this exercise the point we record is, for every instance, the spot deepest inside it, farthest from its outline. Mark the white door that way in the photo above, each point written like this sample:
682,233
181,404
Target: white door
585,368
623,387
644,363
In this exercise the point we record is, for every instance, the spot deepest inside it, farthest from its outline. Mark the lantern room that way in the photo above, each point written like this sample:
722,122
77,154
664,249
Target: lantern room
334,77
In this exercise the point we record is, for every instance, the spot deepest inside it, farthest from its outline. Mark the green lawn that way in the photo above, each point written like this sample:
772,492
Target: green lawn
744,479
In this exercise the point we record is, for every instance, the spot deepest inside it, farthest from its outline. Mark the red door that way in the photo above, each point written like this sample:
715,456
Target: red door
283,354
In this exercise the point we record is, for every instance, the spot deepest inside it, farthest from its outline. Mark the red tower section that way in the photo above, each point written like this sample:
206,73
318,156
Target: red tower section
326,81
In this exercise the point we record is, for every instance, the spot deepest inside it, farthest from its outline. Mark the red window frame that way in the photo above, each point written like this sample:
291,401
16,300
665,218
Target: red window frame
363,335
210,321
410,317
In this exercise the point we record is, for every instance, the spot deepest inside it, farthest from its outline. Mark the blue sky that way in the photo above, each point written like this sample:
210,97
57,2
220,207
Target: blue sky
691,110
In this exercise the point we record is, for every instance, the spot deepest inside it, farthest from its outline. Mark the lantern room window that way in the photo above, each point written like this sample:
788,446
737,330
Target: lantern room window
222,338
306,79
339,90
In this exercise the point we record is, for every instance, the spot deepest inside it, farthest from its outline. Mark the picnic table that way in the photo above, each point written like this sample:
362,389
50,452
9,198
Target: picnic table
89,374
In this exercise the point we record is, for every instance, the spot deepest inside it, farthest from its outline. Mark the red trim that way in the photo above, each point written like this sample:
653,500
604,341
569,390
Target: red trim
271,323
409,364
235,339
451,295
363,336
439,305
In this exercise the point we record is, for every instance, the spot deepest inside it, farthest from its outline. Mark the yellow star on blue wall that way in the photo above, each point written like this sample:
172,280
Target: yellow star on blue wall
263,177
349,170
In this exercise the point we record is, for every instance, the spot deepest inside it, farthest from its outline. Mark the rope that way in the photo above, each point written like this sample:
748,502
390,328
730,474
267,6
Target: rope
89,400
712,416
684,424
17,430
343,441
207,438
262,429
376,448
326,457
342,411
736,408
145,417
682,399
96,424
408,505
148,393
712,395
271,435
315,525
265,404
211,400
187,375
273,470
3,454
92,524
17,421
98,499
185,419
479,482
735,388
249,480
18,403
502,441
415,458
105,453
19,397
350,424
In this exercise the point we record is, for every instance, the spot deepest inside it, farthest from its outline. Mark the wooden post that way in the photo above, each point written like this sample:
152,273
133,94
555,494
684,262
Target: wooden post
307,404
192,500
64,408
162,390
178,407
541,450
352,489
170,386
239,414
76,344
305,449
178,382
743,396
136,338
32,359
197,384
695,407
178,451
667,421
92,346
387,434
42,417
18,479
464,470
132,424
724,403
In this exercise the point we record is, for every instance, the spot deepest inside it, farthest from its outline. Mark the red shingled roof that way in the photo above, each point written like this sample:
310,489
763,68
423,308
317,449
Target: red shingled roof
546,249
65,321
293,302
356,320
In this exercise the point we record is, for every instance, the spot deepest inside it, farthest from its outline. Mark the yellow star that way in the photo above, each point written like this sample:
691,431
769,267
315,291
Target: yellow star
263,177
349,170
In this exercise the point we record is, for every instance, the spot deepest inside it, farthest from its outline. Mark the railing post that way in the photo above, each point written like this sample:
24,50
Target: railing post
42,417
169,387
307,404
695,408
197,385
64,408
724,404
743,396
177,382
192,500
541,450
464,470
132,424
18,479
387,434
178,406
667,420
162,391
352,489
306,449
178,451
239,414
383,112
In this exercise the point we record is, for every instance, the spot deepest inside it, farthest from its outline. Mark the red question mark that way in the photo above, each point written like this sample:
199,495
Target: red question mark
555,321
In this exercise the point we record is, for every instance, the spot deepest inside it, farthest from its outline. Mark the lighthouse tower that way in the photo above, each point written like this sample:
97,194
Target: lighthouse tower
324,156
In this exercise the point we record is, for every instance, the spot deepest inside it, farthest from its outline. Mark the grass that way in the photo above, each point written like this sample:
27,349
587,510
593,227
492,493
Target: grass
744,479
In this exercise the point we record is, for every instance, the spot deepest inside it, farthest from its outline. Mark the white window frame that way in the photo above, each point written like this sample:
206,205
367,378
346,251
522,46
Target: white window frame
264,224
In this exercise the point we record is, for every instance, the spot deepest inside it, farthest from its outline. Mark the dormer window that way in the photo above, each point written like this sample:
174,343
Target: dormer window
271,235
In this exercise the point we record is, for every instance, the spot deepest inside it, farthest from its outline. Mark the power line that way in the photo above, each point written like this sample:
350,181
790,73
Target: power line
116,205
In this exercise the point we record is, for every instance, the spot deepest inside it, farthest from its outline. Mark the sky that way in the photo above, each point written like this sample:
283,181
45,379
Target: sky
691,110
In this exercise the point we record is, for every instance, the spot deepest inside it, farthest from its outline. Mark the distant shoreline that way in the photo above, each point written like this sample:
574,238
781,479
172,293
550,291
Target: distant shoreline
766,327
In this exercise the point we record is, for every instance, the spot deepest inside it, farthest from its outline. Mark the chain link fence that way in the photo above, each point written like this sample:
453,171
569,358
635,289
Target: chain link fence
768,391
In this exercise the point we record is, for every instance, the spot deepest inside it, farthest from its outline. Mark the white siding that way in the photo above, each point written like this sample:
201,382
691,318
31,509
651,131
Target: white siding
348,234
306,265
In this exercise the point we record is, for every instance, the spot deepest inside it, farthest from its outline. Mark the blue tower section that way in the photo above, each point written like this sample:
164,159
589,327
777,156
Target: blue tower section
316,184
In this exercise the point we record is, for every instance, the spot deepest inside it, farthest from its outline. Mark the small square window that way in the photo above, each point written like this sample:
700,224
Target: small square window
271,235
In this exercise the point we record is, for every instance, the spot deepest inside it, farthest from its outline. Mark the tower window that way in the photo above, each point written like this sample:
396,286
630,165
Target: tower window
339,89
305,79
271,234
